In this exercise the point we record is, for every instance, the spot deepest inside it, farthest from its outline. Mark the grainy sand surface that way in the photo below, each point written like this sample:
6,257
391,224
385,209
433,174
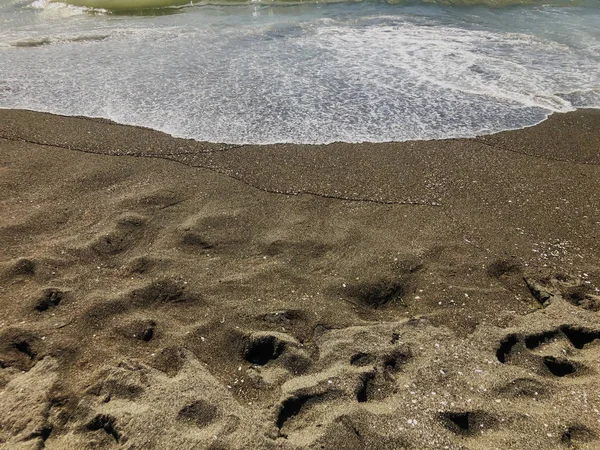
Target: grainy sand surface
164,293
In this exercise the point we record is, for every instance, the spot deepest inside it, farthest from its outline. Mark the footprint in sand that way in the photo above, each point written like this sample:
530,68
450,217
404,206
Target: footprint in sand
125,234
557,352
50,298
547,290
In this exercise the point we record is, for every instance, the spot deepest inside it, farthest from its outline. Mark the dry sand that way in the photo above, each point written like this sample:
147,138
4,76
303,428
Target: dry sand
164,293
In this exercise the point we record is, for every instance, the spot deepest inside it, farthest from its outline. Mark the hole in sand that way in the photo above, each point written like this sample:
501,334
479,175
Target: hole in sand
362,393
147,334
50,298
292,407
535,340
558,367
106,423
263,349
467,422
577,433
393,362
457,421
576,294
506,347
25,348
43,432
579,337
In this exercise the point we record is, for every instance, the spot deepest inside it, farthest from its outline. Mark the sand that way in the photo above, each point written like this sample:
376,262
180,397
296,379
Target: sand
164,293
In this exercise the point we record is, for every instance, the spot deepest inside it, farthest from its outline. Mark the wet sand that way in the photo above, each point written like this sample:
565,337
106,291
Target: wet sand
165,293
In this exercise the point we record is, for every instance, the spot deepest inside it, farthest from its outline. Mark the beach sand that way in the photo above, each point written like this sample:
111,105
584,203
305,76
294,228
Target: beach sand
164,293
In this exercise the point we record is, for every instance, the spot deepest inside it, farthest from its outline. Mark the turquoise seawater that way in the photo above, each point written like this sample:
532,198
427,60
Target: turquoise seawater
310,72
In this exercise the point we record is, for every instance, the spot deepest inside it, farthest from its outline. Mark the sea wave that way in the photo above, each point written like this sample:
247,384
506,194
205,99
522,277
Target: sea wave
133,5
368,72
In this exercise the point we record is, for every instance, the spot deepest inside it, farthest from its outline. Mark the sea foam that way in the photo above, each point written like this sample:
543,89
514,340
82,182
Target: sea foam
310,74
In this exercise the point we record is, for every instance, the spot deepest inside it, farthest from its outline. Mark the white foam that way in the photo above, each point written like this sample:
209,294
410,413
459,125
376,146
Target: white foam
59,9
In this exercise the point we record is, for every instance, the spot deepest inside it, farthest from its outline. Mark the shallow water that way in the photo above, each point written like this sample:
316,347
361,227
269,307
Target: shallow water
311,72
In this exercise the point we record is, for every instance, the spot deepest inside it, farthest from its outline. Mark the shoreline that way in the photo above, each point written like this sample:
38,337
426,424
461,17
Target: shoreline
143,127
555,118
165,292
